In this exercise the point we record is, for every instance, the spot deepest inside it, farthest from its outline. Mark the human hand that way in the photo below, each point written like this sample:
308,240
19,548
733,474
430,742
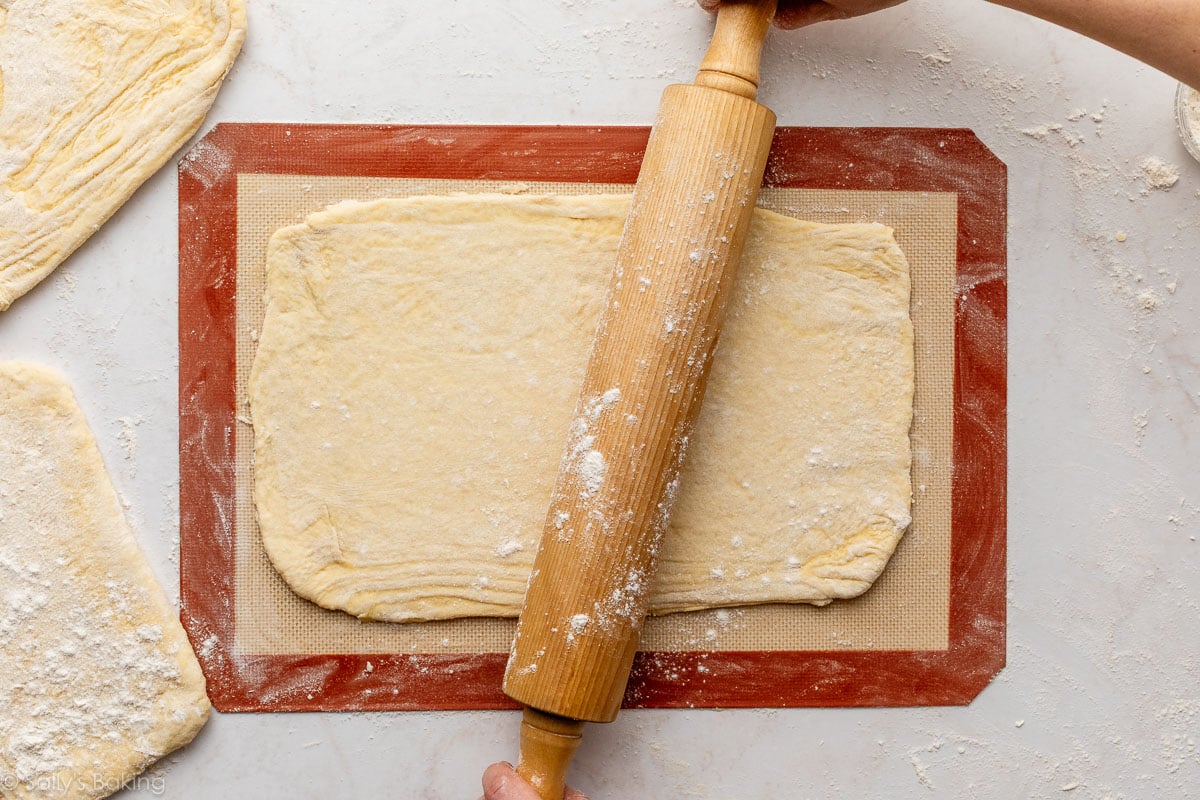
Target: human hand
799,13
501,782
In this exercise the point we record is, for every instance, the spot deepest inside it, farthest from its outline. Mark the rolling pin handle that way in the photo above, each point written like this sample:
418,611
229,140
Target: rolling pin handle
732,61
548,742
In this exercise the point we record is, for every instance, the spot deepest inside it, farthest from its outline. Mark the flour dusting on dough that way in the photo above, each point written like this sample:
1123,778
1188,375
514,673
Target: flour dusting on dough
97,679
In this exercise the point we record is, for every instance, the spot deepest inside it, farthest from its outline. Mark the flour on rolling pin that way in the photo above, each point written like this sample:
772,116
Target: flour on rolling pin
441,343
588,462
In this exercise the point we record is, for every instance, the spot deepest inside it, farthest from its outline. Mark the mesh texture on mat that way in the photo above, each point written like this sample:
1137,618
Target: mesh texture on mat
907,609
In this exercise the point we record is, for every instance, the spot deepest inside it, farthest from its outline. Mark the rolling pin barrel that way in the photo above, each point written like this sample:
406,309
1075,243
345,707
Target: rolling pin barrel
642,389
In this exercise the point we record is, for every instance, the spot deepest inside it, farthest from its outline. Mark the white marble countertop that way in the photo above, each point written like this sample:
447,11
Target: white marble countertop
1099,698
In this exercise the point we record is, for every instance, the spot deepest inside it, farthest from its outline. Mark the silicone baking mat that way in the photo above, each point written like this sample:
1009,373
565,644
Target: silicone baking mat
931,631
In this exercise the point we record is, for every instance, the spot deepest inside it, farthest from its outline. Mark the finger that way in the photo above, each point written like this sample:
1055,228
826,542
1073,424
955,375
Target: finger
794,13
574,794
501,782
799,15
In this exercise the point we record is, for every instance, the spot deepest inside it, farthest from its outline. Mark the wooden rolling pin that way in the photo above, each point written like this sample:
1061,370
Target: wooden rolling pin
641,393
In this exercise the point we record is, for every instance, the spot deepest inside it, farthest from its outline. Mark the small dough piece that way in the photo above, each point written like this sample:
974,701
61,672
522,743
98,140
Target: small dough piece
95,96
418,368
97,679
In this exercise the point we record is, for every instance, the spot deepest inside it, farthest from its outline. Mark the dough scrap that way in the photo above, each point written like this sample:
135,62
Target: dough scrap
417,371
95,96
97,679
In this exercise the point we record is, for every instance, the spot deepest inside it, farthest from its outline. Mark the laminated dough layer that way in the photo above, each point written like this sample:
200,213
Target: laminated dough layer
416,376
97,679
95,96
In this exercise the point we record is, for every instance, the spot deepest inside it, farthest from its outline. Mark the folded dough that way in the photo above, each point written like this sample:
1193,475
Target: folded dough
97,679
417,372
95,96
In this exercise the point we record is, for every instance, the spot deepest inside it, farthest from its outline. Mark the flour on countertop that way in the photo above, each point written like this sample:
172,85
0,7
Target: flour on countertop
128,437
1042,131
1158,174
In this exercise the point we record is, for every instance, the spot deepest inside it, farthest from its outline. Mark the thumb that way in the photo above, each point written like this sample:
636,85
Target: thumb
501,782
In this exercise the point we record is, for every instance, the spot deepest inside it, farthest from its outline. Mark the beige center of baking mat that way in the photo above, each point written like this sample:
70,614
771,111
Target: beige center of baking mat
907,609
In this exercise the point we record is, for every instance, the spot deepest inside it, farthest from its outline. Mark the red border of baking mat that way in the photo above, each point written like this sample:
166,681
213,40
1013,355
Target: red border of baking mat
899,159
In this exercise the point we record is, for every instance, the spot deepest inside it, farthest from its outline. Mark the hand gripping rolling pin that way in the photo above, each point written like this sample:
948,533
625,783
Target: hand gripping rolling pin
641,393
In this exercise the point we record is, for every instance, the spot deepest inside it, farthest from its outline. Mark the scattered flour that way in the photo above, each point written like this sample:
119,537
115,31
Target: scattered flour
128,438
589,463
922,771
591,469
1042,131
576,625
207,647
1158,174
104,663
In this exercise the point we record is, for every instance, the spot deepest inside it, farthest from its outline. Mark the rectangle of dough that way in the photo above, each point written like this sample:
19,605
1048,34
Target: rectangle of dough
97,678
417,370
